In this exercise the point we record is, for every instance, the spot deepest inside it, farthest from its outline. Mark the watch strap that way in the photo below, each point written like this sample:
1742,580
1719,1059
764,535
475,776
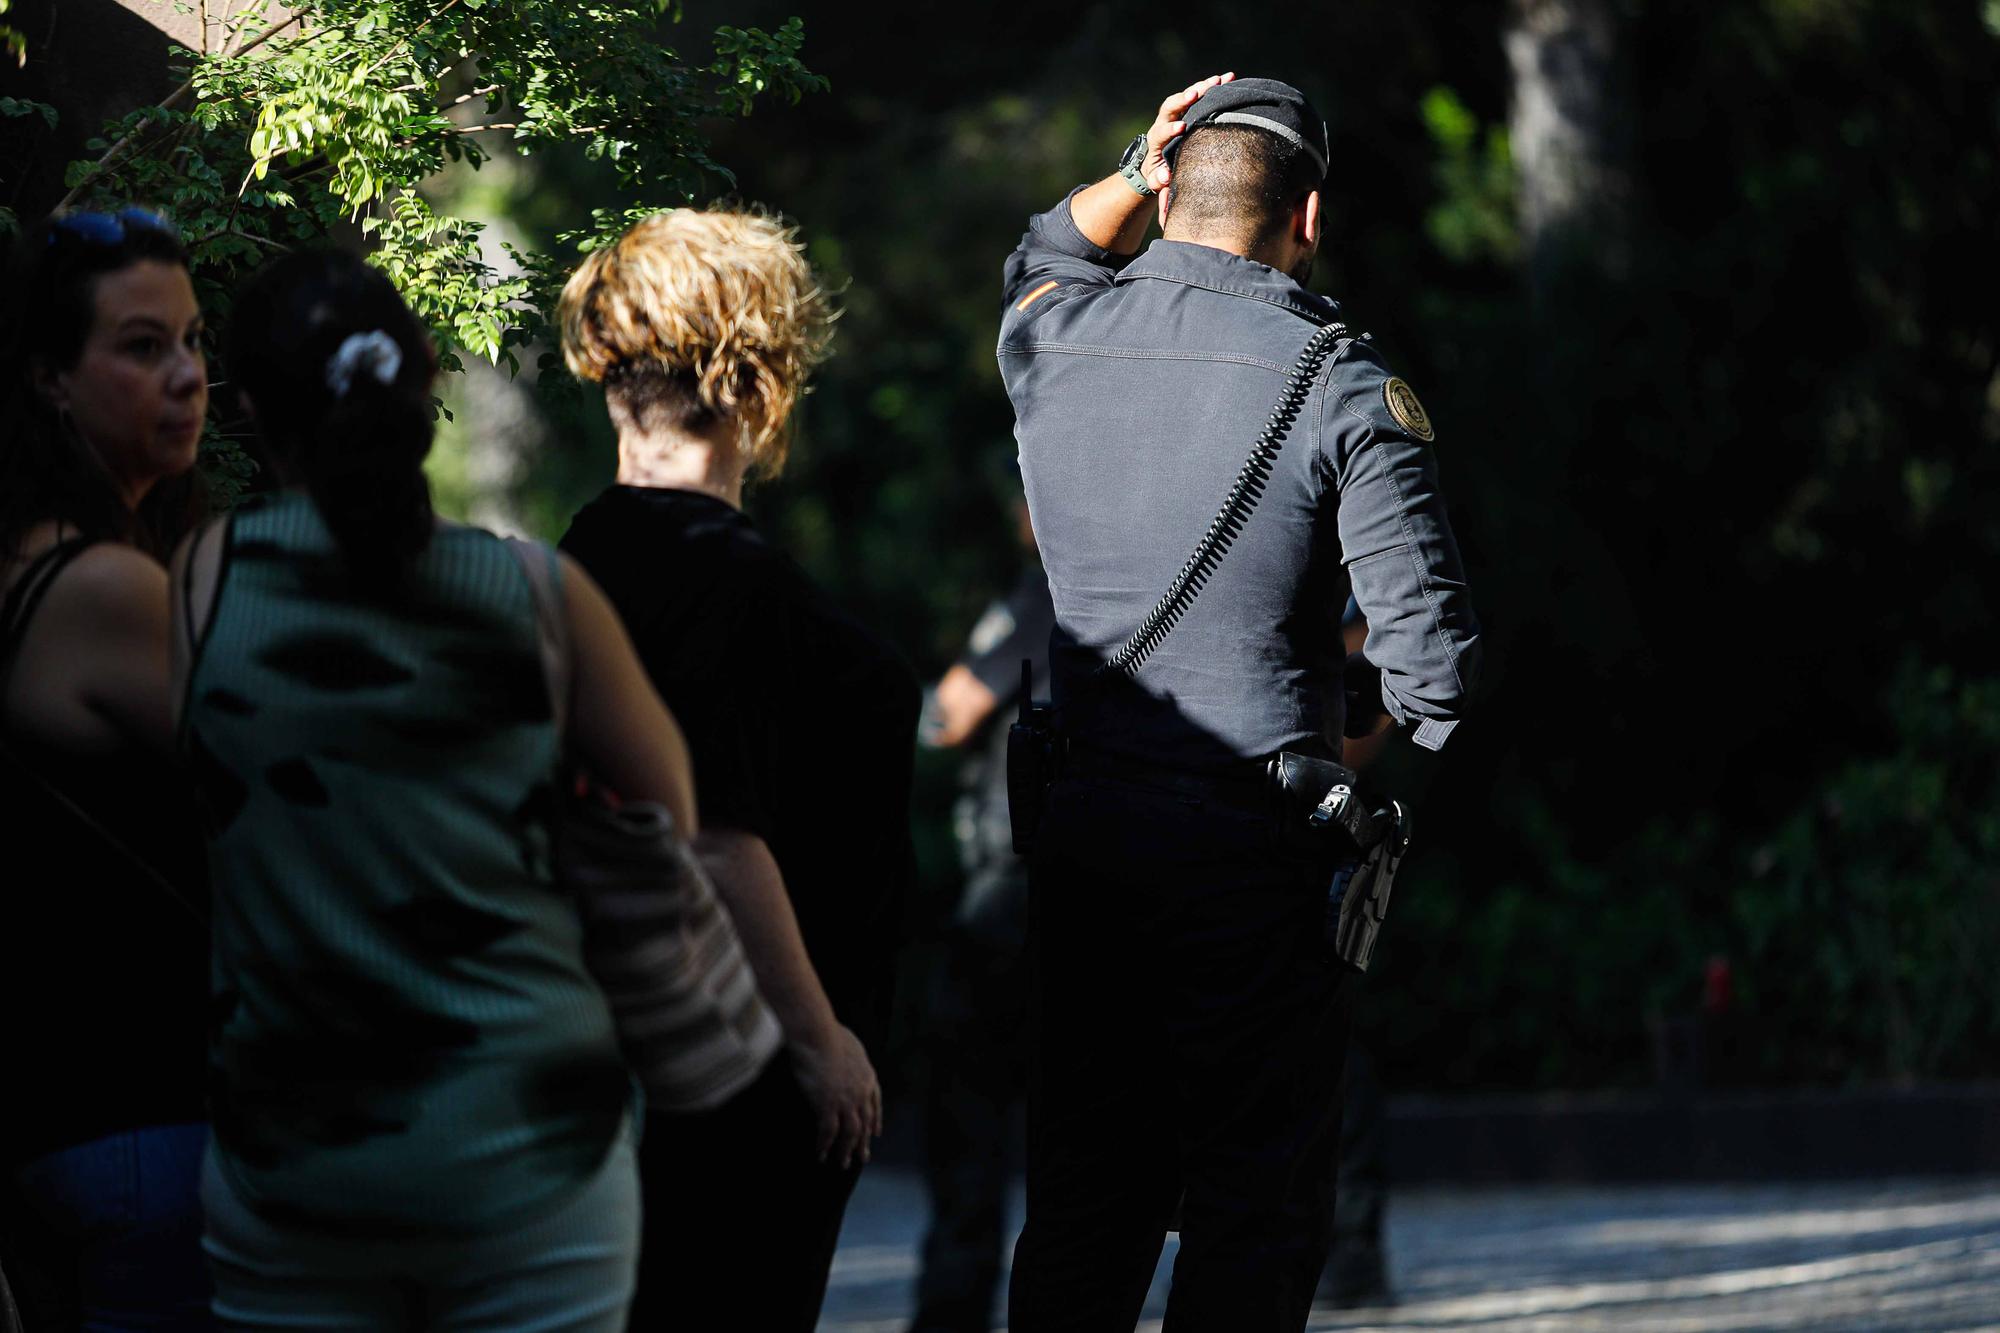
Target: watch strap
1132,167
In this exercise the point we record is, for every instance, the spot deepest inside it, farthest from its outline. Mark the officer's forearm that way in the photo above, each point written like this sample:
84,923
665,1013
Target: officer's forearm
1112,215
963,702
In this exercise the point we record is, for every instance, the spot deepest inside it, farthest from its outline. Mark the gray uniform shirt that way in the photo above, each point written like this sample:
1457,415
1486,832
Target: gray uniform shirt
1138,389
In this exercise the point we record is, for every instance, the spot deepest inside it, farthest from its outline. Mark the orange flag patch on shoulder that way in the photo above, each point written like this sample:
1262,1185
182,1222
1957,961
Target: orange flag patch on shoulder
1037,294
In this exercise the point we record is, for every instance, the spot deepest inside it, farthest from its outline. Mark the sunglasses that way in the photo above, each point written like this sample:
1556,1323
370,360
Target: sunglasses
107,229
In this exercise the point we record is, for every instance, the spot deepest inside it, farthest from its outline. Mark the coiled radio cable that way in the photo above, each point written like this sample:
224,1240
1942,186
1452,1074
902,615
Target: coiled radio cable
1234,514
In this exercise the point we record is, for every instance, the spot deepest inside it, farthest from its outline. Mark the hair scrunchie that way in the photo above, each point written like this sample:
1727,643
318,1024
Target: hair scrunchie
373,351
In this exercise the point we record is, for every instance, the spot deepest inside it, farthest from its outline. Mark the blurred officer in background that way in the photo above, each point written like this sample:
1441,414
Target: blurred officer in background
978,1016
1188,1028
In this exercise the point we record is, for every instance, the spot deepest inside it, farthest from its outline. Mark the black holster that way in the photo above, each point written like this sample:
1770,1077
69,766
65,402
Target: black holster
1032,749
1323,800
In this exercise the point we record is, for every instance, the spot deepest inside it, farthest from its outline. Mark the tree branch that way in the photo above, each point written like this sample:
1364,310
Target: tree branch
414,33
172,100
267,35
266,241
239,19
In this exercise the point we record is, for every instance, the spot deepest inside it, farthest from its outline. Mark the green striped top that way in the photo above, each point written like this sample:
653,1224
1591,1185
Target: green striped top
404,1036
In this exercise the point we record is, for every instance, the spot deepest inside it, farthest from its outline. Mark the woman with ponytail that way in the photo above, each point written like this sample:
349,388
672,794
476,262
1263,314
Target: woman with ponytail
421,1116
103,942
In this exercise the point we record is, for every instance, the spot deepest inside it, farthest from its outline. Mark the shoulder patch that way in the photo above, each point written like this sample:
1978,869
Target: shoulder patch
1036,294
1409,413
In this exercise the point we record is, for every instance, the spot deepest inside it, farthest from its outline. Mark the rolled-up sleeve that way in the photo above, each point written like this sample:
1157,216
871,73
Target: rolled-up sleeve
1054,254
1401,557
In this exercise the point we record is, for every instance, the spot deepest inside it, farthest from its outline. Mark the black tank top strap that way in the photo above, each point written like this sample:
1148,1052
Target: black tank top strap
187,588
25,597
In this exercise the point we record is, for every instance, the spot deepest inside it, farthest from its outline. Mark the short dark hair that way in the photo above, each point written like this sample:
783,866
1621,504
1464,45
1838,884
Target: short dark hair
1238,178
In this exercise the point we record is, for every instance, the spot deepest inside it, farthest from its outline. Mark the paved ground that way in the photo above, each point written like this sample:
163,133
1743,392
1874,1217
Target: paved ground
1911,1257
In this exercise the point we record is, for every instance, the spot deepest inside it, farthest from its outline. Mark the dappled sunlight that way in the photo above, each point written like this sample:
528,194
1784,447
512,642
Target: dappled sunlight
1910,1256
1846,1223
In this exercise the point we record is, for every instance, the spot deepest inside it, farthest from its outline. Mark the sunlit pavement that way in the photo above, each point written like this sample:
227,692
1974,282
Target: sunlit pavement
1897,1257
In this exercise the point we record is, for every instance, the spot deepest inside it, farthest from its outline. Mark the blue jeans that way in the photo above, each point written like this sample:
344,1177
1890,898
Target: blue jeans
120,1224
568,1271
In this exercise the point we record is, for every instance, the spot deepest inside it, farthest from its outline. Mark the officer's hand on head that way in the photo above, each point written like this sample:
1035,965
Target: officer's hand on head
1169,124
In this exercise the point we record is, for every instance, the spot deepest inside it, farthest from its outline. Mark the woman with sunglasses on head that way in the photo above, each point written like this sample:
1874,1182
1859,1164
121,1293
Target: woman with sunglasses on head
422,1119
103,946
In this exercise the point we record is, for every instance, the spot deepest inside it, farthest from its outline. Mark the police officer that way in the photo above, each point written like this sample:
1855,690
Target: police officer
1189,1027
975,1039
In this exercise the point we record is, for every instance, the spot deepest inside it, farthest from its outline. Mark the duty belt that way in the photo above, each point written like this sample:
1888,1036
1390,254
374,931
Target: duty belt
1316,803
1244,785
1292,787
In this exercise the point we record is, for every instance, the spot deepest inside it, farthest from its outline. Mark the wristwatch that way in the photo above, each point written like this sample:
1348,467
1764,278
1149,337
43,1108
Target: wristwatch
1131,167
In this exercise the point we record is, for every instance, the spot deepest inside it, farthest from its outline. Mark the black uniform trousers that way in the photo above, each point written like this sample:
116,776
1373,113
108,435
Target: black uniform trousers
741,1218
1189,1026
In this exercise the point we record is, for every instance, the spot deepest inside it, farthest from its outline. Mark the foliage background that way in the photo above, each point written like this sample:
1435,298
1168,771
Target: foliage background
1723,463
298,124
1724,475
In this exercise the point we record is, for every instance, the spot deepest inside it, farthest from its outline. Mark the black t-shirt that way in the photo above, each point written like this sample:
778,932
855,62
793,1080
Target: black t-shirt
800,720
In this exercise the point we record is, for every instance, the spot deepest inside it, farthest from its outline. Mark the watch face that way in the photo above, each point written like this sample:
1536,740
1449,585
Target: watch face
1131,166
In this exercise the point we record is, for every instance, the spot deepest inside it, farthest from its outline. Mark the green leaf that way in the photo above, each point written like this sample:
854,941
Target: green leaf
13,107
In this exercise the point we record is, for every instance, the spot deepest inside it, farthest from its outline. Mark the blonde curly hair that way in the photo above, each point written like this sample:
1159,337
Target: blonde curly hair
697,316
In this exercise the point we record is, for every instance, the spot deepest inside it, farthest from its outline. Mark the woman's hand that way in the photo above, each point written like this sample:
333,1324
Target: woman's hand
846,1098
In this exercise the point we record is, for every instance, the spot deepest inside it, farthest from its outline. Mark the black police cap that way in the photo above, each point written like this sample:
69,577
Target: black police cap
1264,104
